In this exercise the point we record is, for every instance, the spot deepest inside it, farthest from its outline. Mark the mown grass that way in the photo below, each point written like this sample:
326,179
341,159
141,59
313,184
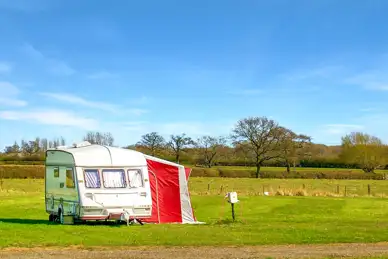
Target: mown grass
260,220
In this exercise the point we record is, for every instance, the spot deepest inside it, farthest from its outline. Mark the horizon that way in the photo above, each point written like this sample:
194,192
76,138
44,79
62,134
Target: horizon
130,68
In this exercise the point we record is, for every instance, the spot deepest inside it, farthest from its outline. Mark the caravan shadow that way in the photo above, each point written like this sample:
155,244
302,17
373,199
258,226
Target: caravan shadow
47,222
26,221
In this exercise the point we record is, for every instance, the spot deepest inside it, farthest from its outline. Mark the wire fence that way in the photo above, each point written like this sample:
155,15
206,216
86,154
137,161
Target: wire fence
291,187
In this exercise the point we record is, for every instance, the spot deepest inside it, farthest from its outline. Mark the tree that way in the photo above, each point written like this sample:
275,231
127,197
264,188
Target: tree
263,135
208,148
153,142
99,138
367,151
44,144
14,149
244,150
291,147
30,147
177,143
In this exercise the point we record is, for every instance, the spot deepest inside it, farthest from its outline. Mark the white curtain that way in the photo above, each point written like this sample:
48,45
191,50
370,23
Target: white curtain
135,178
114,178
92,179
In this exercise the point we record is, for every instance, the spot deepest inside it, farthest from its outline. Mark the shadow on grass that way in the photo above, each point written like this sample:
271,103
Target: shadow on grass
26,221
46,222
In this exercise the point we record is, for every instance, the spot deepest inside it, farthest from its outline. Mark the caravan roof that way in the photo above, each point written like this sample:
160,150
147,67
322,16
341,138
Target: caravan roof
98,155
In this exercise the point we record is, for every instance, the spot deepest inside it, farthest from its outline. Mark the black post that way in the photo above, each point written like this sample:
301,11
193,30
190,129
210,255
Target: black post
233,211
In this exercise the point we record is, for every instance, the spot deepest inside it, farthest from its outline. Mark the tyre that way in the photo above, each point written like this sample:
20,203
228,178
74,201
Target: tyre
61,218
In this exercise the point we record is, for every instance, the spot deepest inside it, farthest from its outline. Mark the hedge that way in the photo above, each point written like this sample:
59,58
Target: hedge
37,171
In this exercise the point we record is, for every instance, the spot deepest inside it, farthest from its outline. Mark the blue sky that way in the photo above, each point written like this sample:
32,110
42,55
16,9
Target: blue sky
131,67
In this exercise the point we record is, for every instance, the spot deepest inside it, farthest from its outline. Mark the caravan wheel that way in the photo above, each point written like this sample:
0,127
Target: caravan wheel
60,217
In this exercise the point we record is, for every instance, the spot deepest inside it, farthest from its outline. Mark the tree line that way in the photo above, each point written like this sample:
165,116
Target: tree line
254,141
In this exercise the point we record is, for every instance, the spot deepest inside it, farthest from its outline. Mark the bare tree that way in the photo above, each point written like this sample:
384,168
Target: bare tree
291,149
62,141
30,147
263,135
208,148
14,149
244,150
177,143
99,138
44,144
153,142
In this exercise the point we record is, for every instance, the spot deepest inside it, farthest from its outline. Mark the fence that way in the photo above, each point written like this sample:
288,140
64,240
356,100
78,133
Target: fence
290,187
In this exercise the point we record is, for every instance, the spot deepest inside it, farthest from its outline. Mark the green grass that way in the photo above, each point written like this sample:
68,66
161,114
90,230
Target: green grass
260,220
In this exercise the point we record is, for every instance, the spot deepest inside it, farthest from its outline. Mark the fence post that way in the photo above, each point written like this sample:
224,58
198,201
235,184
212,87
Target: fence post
369,189
345,190
263,189
338,189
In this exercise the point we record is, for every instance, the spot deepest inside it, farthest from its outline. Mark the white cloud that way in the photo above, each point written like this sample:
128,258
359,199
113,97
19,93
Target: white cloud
246,91
322,72
339,129
77,100
55,66
5,67
9,95
372,80
135,111
102,75
72,99
58,67
51,117
191,128
140,100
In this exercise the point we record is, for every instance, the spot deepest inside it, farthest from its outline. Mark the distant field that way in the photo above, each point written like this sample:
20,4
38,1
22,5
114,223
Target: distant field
260,220
37,171
300,169
289,187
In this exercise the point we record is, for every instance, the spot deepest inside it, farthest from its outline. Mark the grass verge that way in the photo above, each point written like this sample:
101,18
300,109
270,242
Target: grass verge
260,220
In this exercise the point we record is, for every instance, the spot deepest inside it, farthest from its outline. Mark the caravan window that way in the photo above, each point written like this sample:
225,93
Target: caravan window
135,178
56,172
114,178
69,178
92,178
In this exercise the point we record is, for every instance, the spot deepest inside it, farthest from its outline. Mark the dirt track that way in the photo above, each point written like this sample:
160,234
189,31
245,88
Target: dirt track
278,251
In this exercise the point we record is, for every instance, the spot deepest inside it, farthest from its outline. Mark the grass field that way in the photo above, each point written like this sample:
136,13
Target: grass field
260,220
37,171
300,169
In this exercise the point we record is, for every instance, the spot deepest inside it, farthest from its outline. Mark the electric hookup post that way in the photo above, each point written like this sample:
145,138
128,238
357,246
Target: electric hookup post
232,199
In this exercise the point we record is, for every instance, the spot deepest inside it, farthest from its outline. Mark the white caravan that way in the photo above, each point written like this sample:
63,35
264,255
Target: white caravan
94,182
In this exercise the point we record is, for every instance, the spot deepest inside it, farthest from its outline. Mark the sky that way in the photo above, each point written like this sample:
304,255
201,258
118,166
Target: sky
133,67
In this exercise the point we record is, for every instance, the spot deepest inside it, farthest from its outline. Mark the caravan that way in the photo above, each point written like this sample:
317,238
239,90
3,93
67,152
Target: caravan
96,182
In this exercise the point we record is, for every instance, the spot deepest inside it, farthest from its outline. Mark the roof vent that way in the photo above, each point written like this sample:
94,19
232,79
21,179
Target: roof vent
82,144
